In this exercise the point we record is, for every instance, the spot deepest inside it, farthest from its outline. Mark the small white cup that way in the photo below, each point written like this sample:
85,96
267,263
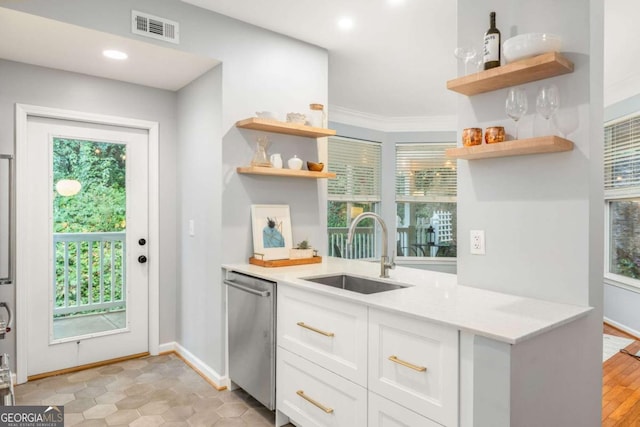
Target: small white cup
276,160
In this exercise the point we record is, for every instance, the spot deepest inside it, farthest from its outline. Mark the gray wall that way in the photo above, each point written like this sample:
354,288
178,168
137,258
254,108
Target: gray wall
542,214
199,165
621,307
28,84
388,191
262,71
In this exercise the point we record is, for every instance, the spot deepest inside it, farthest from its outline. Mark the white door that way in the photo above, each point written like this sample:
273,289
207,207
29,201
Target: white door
86,218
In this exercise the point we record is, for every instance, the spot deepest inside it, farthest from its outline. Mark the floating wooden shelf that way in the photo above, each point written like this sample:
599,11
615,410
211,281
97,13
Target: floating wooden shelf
285,262
543,144
275,126
291,173
540,67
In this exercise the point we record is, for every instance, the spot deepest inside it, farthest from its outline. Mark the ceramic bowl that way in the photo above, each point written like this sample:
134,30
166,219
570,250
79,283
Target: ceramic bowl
298,118
494,134
471,136
530,44
315,167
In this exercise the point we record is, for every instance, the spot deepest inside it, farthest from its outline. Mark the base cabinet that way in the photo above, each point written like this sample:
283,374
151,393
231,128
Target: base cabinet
329,332
414,363
312,396
385,413
342,364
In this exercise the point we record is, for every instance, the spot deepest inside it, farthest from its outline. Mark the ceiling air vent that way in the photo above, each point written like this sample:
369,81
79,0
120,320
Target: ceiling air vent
155,27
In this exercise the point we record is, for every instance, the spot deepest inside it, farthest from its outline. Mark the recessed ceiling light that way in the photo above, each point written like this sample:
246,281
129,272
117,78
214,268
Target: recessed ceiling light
395,2
345,23
115,54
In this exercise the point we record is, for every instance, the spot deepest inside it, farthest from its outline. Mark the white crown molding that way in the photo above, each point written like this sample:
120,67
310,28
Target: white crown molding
347,116
621,90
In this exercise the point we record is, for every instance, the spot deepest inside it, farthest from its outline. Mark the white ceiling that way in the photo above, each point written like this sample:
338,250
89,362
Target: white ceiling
48,43
394,62
398,56
621,50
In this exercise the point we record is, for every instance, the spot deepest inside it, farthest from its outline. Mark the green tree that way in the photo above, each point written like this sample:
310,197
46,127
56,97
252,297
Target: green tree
100,168
100,206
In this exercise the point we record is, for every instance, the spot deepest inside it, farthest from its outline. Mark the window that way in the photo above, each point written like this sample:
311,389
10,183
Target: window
622,199
355,189
426,186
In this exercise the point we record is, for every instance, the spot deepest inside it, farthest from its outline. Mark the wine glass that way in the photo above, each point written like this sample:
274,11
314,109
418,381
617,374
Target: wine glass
547,102
465,54
478,61
516,105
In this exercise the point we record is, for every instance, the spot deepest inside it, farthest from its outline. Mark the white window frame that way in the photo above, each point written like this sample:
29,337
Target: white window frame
422,260
376,201
609,277
629,194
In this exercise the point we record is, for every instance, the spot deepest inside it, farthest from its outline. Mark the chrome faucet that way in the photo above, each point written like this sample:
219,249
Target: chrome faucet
385,262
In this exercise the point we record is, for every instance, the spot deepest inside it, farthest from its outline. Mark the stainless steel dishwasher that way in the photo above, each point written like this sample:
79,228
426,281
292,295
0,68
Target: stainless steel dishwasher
252,338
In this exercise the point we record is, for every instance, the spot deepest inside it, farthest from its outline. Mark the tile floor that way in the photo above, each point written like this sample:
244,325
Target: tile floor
152,391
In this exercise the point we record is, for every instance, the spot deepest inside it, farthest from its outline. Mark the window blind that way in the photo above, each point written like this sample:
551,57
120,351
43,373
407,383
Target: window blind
357,166
622,158
424,173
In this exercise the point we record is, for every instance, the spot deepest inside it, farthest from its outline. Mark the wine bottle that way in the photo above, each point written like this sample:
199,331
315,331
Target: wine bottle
491,53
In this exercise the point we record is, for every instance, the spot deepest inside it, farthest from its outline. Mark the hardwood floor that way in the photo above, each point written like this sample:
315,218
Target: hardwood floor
621,386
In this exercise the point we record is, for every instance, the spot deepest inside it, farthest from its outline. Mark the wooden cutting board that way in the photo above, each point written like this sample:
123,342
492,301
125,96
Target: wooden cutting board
285,262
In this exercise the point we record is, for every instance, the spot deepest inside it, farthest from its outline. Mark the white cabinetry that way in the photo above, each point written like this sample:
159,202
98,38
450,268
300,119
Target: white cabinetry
342,364
385,413
414,363
313,396
326,331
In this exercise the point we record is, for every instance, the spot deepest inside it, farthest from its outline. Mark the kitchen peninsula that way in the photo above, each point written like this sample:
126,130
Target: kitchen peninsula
452,349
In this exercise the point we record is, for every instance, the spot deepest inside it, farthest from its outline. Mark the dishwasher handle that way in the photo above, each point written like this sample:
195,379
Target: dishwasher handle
247,289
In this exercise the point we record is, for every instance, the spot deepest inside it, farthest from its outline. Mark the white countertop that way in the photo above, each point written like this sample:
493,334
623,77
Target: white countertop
435,297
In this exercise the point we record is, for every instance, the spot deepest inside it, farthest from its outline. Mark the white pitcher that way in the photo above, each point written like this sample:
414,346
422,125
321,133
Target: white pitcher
276,160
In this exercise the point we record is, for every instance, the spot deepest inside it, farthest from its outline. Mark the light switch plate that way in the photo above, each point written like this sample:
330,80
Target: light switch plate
477,242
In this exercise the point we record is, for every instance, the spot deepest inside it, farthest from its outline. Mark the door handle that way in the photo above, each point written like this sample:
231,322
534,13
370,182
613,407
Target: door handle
10,252
5,326
142,259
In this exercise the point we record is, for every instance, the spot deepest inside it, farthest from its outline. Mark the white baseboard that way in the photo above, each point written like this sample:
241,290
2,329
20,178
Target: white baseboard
167,347
197,363
622,327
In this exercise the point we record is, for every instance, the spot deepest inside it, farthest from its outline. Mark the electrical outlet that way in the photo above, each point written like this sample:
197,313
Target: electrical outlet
477,242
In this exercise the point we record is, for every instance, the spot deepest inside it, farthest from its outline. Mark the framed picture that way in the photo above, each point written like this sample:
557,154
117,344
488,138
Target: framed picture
271,226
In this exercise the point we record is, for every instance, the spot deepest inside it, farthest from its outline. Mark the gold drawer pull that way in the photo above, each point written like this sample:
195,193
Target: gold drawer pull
395,359
311,328
313,402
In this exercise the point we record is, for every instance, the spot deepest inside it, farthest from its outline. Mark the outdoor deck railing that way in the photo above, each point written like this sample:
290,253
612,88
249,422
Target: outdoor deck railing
89,272
363,245
411,241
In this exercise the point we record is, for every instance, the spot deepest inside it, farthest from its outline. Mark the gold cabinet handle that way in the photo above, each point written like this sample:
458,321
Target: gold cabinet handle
311,328
314,402
395,359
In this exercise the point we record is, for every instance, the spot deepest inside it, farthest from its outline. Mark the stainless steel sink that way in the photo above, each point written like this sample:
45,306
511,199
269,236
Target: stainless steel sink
361,285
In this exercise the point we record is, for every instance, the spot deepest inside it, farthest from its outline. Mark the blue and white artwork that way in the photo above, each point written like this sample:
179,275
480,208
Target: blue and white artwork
271,227
272,234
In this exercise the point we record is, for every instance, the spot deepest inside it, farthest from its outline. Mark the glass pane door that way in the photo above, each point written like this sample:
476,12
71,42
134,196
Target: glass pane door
89,237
